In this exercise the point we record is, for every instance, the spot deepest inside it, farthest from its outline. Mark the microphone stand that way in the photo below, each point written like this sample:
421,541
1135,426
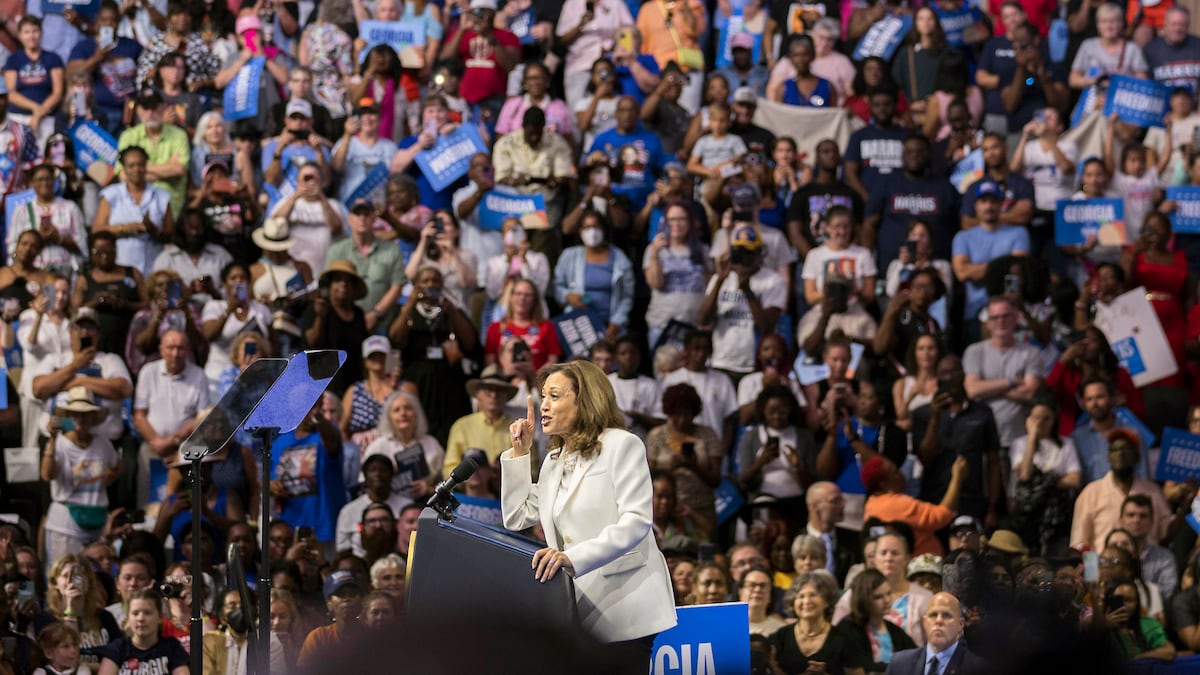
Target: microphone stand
262,636
196,624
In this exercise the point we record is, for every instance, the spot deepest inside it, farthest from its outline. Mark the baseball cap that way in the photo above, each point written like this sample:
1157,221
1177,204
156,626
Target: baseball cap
483,4
988,188
746,195
362,204
366,105
298,106
339,579
966,522
741,41
926,563
745,95
746,238
86,314
376,344
149,98
381,457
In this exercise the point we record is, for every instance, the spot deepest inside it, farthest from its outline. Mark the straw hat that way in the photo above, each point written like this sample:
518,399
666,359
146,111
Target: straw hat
492,378
79,401
358,287
273,235
1007,541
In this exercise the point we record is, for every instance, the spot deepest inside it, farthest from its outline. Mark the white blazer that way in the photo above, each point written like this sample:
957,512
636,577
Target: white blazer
622,585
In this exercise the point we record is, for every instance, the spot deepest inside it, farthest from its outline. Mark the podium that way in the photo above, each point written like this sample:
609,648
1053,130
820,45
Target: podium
467,568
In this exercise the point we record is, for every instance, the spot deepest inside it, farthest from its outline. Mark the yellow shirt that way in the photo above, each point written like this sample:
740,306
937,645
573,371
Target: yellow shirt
474,431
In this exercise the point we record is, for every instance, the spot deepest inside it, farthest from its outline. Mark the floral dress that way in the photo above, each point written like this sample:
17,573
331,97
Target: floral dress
331,51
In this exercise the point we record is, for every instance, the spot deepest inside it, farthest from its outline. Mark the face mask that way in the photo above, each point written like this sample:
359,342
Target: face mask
514,237
592,236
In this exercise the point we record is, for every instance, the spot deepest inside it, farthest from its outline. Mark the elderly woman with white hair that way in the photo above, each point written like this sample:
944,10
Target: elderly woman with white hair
1110,53
212,143
404,436
387,576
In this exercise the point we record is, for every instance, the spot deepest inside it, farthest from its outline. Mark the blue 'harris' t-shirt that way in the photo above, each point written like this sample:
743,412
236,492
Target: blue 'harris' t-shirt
639,154
115,76
33,77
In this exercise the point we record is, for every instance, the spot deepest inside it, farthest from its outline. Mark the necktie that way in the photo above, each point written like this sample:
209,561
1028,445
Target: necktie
933,666
828,539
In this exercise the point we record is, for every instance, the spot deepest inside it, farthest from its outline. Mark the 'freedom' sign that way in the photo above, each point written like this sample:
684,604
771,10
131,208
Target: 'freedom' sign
1077,219
1140,102
1180,456
884,37
1186,217
449,159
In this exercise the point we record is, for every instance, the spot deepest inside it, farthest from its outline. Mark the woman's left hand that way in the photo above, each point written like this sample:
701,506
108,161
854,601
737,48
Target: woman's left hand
548,561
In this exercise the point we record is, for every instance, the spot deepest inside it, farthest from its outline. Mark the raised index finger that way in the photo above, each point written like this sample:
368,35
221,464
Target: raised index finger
529,406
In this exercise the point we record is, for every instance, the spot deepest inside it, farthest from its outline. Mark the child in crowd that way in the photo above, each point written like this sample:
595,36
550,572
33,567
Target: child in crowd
60,646
713,153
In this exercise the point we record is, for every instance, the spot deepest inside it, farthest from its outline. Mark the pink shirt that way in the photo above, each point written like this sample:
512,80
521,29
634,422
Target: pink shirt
558,117
597,36
1098,511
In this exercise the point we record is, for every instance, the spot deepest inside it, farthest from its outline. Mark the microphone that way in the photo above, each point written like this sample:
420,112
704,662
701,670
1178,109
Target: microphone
443,500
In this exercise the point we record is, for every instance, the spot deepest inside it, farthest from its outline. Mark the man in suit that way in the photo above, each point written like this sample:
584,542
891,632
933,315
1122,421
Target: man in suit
826,508
945,652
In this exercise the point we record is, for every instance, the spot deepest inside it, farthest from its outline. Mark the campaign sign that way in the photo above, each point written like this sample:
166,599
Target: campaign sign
95,151
498,206
1186,218
1077,219
736,24
1136,335
521,25
968,170
884,37
449,159
371,184
707,640
14,202
1085,105
399,35
577,332
809,371
728,500
1139,102
1180,456
87,8
241,96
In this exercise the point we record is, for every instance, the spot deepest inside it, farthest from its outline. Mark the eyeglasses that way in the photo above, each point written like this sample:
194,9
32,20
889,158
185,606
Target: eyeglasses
1112,561
963,534
307,179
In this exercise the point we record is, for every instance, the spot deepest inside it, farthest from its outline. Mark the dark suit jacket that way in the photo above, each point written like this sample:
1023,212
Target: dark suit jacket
964,662
846,553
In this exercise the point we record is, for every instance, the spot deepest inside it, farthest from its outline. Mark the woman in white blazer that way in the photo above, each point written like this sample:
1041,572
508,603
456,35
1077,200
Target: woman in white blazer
593,500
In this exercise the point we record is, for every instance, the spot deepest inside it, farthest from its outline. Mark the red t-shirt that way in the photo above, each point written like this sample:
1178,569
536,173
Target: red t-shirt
542,340
483,76
1040,13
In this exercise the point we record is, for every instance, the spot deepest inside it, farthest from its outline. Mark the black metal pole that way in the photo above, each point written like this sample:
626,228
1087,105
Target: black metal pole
196,626
262,636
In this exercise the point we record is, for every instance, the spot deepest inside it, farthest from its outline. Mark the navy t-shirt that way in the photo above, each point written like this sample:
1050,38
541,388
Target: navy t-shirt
33,77
640,156
1015,187
878,152
1174,65
160,659
900,200
999,59
114,77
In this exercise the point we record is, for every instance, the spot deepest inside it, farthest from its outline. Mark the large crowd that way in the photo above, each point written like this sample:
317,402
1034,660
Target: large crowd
859,382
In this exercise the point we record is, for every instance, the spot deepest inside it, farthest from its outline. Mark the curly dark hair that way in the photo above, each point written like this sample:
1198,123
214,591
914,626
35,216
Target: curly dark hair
776,391
681,399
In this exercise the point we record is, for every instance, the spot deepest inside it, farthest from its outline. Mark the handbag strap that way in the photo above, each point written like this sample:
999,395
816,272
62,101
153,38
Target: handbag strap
912,71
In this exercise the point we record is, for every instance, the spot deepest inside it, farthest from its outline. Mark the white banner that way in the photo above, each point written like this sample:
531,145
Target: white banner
1137,337
806,126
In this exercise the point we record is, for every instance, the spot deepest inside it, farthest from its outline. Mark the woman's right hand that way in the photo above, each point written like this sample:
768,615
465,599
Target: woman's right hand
39,303
521,431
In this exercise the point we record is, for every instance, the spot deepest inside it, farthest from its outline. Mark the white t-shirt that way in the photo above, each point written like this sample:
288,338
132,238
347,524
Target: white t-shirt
1049,458
52,338
258,319
712,151
715,389
408,463
639,394
1139,198
170,400
106,366
777,476
733,334
311,232
350,517
750,386
80,480
1050,184
855,262
777,250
